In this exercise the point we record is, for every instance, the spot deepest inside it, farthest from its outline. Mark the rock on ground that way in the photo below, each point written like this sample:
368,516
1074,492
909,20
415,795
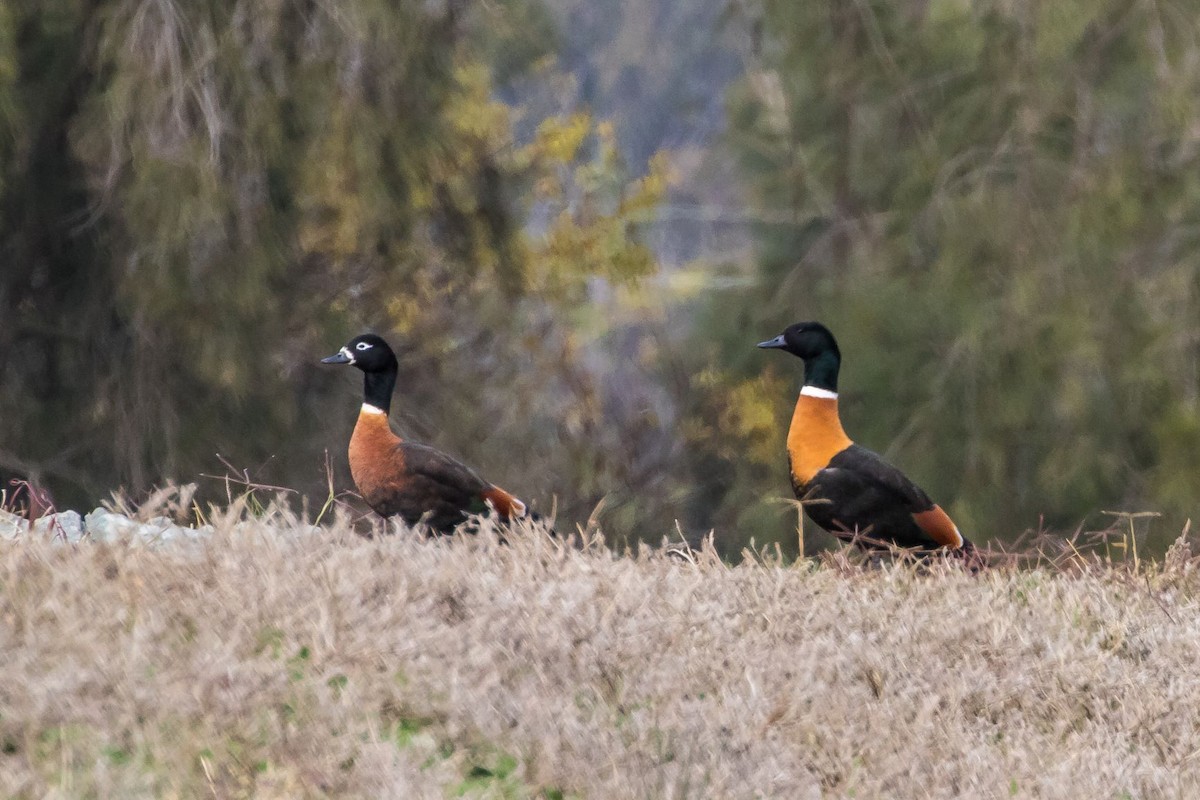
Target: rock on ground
100,525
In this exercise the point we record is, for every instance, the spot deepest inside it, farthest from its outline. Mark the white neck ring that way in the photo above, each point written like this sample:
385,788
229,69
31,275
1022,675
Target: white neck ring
816,391
367,408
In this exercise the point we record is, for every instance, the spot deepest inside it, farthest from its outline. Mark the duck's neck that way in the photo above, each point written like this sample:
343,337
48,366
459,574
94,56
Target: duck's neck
378,388
815,435
821,373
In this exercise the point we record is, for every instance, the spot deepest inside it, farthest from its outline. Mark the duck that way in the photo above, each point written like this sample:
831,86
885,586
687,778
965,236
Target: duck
845,488
421,485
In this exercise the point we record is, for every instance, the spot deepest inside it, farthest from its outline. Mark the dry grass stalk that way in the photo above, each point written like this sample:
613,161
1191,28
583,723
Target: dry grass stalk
273,664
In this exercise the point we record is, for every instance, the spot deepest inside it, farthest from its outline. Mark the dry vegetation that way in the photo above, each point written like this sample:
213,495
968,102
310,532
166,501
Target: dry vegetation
278,664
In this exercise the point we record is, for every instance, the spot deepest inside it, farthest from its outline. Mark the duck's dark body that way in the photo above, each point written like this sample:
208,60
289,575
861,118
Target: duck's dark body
861,497
847,489
419,484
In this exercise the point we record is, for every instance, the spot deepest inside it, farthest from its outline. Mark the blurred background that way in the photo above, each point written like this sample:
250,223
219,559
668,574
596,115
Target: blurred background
575,218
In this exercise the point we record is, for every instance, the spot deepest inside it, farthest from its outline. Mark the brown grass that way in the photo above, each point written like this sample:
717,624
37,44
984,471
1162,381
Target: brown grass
275,664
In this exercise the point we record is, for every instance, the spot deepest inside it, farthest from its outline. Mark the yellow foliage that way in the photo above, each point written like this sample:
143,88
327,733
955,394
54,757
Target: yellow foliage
473,112
648,191
747,422
750,415
578,174
560,139
331,199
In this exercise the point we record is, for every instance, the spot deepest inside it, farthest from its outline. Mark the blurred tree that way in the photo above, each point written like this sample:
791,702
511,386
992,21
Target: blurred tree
994,205
200,200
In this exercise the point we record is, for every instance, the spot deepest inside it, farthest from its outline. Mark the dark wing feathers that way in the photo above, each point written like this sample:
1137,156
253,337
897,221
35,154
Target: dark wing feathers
871,466
861,494
434,465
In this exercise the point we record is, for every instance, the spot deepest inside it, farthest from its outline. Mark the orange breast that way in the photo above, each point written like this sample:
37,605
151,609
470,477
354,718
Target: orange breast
814,437
375,461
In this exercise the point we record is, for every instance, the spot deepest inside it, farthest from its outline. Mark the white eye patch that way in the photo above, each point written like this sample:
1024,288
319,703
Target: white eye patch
362,346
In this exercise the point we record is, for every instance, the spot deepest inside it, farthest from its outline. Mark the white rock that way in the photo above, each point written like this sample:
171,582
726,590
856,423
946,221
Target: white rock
12,526
101,525
104,526
64,526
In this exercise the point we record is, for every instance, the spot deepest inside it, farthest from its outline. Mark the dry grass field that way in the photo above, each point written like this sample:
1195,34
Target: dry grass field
270,663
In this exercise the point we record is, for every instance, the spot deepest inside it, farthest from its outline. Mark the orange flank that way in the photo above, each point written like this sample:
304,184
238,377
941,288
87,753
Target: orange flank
375,461
939,526
814,437
505,504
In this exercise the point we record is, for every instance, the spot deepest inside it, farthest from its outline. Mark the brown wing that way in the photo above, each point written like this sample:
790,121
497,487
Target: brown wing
442,470
437,489
428,486
453,474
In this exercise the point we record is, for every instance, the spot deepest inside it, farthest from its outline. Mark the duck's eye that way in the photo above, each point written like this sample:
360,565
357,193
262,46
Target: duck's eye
362,346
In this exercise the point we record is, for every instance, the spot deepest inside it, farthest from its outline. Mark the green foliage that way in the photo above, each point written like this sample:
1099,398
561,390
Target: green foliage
993,208
494,780
408,728
992,204
200,200
590,207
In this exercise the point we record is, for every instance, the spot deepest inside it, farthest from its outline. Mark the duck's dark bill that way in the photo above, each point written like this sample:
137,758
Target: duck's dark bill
337,358
776,342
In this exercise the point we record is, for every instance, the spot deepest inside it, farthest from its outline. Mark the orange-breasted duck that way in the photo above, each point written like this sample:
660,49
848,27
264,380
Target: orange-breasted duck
395,477
845,488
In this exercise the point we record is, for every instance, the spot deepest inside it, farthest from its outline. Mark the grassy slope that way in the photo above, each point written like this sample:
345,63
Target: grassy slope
303,666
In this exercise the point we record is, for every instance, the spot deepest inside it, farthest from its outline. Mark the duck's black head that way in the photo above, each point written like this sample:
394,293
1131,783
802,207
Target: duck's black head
371,354
806,340
812,342
368,352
